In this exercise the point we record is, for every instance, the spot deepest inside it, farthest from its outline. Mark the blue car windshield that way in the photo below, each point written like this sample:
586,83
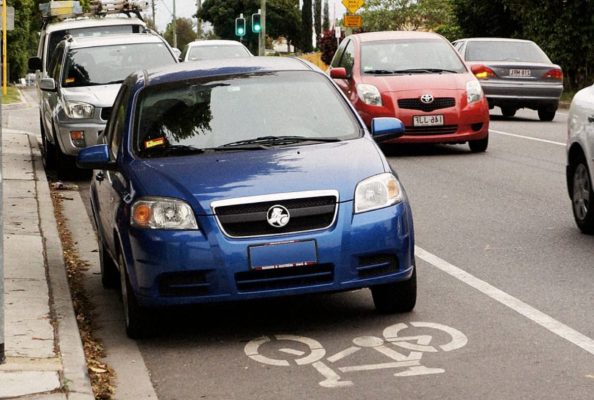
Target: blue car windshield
248,110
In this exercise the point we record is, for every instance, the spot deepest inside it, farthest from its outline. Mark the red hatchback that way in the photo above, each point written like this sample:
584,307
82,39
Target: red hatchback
417,77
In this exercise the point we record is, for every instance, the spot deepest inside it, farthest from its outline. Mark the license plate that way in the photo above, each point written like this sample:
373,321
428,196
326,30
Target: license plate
283,255
427,120
520,73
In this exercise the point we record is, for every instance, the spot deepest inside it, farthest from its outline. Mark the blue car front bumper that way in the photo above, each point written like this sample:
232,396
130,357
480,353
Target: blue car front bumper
188,267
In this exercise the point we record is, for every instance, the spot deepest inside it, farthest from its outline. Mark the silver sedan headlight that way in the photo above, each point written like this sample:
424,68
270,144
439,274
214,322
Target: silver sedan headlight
162,213
377,192
79,110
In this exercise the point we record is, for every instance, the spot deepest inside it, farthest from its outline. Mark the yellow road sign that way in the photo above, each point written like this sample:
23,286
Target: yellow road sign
352,21
353,5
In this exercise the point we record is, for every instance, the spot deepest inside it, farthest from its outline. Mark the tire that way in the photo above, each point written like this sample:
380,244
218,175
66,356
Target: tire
136,317
397,297
65,165
508,112
48,153
110,277
547,114
479,146
582,197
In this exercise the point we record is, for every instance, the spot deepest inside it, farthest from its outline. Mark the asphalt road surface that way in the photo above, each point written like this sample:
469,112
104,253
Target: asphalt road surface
504,309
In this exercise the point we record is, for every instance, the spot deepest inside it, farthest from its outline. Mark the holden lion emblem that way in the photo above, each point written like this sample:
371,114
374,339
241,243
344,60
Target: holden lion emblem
427,99
278,216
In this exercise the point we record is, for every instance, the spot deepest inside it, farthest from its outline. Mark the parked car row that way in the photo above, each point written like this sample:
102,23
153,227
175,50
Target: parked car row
207,183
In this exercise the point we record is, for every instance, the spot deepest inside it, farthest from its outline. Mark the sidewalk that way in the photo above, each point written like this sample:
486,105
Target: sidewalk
44,354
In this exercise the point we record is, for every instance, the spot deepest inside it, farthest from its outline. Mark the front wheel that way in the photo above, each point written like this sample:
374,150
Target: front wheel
48,153
582,198
109,270
479,146
135,316
508,112
397,297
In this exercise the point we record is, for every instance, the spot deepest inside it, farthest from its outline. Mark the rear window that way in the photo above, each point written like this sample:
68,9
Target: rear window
216,111
103,65
213,52
57,36
415,54
505,51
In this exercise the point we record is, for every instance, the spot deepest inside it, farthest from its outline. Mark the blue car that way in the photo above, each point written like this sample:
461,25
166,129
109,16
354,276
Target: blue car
242,179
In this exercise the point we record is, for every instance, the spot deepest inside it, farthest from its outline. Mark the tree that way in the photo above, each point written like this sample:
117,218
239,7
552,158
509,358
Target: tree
284,19
306,26
487,19
381,15
185,32
22,41
326,19
222,13
317,16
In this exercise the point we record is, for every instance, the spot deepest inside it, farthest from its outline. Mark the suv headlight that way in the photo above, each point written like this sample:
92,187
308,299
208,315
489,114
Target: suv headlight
369,94
162,213
377,192
78,110
474,92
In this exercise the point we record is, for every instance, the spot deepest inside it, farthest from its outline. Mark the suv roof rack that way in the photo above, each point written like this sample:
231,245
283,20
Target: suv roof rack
61,10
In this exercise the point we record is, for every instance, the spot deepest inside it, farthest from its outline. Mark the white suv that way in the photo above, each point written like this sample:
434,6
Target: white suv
580,158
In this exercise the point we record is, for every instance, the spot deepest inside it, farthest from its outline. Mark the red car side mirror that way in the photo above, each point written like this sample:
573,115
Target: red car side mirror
338,73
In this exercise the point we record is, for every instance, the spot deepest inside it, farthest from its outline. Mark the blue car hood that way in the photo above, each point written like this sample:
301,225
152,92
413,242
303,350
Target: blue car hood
202,179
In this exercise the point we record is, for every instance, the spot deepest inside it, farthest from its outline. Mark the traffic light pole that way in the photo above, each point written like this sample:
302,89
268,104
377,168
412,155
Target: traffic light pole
262,37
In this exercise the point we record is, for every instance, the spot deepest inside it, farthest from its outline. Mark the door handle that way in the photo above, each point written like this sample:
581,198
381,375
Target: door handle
99,176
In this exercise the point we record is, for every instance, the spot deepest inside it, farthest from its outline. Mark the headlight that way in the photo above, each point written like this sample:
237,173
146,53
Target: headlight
377,192
162,213
369,94
473,91
79,110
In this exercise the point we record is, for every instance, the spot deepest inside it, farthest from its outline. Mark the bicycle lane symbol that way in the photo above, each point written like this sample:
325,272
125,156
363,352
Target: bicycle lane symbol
406,364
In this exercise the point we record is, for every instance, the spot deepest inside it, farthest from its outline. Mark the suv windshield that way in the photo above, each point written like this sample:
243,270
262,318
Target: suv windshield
111,64
241,112
214,52
409,56
505,50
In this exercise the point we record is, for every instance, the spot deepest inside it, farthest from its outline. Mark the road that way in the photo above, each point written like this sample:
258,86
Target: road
504,308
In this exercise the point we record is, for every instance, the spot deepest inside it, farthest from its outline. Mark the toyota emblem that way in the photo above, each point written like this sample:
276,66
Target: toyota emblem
427,99
278,216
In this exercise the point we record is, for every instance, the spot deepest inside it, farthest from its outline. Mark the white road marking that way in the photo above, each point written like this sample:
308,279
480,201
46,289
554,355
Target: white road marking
332,378
373,367
342,354
526,137
292,352
542,319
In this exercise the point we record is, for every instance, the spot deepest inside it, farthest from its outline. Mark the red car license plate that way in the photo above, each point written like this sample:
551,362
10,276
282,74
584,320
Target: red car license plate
427,120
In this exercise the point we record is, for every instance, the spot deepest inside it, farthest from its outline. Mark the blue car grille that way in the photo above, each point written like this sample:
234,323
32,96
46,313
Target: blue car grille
416,104
245,220
284,278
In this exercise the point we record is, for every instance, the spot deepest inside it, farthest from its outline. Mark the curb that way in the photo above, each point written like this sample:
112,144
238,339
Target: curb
75,377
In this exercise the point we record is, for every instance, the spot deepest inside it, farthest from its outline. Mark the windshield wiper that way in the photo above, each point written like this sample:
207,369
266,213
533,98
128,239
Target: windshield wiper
277,141
424,71
176,149
380,71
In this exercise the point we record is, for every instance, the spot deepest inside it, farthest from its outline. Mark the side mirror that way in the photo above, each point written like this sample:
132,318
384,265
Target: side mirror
47,84
34,64
338,73
95,157
385,128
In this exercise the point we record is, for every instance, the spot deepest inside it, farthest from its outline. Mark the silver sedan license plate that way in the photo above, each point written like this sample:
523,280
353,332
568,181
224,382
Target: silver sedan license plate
520,73
428,120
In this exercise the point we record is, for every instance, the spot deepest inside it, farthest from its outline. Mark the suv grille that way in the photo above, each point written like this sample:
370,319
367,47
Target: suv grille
416,104
250,219
105,113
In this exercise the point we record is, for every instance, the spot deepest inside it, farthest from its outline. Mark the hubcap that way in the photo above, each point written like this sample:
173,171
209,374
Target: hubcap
581,192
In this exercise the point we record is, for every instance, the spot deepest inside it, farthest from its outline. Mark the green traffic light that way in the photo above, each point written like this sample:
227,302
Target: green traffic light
240,31
257,28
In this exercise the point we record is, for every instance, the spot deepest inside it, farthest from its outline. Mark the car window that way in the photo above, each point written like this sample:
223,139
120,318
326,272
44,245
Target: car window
409,54
117,120
347,60
56,37
211,52
505,50
55,64
103,65
336,59
216,111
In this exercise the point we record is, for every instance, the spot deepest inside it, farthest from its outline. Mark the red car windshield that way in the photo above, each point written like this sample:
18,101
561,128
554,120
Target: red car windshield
409,56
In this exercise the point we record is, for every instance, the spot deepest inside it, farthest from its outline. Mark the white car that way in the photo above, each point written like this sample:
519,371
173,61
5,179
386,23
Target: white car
580,158
214,49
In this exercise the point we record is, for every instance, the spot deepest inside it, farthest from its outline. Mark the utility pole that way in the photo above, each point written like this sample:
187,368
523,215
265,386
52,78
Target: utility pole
199,21
262,37
2,349
174,27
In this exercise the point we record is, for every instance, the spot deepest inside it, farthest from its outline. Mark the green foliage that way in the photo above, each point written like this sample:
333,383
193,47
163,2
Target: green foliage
317,18
185,32
489,18
283,18
22,41
306,26
222,13
326,18
380,15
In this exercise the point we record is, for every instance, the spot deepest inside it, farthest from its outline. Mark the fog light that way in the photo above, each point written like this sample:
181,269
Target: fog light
78,138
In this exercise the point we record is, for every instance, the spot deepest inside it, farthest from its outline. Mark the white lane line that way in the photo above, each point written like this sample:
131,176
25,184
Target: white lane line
542,319
526,137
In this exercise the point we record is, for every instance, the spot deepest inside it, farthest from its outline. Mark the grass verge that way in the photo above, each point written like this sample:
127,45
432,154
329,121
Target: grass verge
12,96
